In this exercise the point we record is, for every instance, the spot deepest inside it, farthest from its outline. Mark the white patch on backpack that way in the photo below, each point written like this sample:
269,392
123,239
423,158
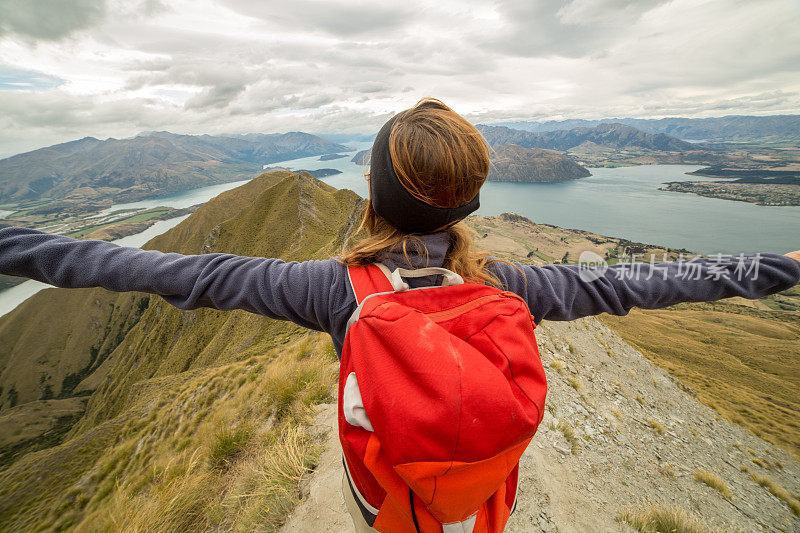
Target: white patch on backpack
353,405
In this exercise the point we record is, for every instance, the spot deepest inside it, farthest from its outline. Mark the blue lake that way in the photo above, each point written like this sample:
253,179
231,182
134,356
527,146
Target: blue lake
619,202
624,202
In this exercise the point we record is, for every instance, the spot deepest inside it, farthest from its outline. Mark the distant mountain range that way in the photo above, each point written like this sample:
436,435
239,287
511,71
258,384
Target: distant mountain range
615,136
730,128
150,164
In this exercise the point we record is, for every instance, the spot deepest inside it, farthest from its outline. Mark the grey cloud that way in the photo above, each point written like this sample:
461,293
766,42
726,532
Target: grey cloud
217,96
336,18
578,28
269,97
318,66
776,101
372,87
196,72
48,19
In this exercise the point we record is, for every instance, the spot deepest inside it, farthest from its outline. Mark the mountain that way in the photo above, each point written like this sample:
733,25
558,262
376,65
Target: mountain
510,162
143,388
151,164
613,136
729,128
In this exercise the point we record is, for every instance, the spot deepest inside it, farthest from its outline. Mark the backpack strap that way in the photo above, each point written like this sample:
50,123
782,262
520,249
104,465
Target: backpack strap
377,277
366,280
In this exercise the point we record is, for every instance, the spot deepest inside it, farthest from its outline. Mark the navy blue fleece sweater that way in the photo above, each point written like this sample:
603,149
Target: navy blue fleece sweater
317,295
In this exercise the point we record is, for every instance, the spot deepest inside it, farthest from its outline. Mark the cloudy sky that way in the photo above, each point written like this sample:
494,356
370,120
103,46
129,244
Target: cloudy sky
118,67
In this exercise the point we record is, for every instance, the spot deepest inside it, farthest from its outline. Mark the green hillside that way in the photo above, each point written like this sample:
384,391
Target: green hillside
204,404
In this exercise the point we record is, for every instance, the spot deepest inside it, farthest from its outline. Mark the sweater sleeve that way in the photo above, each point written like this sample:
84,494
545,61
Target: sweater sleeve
296,291
567,292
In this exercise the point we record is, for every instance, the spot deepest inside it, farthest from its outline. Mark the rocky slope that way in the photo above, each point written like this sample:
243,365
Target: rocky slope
510,162
619,434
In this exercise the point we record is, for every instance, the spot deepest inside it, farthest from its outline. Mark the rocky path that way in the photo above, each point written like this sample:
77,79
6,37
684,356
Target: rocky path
619,433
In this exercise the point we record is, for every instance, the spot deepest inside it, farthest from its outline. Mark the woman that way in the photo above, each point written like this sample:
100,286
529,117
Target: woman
428,165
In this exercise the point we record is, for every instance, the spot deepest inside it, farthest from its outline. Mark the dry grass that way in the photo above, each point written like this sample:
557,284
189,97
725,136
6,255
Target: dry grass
228,443
615,412
575,383
656,519
778,491
178,503
557,365
657,426
569,434
749,376
714,481
203,452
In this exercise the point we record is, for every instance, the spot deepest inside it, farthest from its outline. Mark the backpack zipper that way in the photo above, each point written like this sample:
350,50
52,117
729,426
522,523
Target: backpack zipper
463,308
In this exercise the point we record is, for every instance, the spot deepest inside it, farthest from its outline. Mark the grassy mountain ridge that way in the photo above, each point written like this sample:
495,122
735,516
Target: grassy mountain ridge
84,326
154,355
292,219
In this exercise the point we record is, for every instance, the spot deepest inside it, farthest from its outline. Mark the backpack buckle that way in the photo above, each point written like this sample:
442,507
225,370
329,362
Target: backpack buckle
399,285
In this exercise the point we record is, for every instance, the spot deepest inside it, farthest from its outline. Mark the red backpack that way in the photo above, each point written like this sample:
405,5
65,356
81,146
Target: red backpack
441,389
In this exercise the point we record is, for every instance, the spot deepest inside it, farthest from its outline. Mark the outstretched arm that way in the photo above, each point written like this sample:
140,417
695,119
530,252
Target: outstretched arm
294,291
567,292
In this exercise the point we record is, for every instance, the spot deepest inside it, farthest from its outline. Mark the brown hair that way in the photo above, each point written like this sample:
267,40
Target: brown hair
440,158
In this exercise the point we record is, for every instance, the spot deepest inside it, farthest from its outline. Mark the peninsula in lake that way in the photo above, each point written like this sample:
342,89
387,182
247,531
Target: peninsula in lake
762,187
511,162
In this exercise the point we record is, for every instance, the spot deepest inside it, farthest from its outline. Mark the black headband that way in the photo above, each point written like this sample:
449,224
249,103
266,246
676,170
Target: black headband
395,204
